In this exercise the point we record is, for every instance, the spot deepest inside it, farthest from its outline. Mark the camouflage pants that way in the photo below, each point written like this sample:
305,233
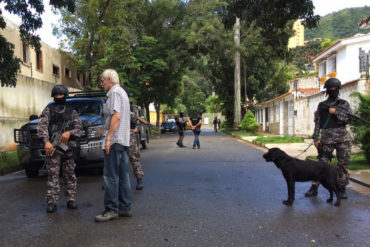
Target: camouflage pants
134,156
343,150
53,165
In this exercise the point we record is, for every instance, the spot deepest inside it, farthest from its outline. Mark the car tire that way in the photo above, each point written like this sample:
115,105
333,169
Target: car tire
32,173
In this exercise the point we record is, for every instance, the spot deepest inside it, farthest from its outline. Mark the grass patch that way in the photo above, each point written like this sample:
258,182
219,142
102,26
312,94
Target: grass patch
279,139
240,133
154,132
358,162
8,161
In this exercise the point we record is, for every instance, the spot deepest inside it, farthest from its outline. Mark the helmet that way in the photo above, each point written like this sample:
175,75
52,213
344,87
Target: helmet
59,89
332,82
181,112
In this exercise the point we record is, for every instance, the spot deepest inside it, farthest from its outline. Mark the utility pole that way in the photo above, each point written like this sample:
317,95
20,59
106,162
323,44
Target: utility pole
237,100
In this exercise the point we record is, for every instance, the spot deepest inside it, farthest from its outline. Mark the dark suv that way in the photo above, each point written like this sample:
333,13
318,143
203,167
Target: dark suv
89,105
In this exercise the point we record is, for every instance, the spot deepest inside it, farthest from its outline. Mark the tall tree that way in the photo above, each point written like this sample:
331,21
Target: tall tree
98,36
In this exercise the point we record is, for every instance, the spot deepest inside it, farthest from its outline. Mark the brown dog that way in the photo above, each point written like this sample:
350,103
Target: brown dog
296,170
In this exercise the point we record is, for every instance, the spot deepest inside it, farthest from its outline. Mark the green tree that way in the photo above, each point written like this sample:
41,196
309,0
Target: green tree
249,123
326,43
340,24
360,129
213,104
300,56
30,12
98,36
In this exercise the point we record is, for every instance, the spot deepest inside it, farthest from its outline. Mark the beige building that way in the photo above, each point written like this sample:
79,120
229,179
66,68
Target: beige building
47,65
298,37
39,72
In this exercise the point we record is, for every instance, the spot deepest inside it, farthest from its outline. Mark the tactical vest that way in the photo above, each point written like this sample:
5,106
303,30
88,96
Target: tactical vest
334,122
57,120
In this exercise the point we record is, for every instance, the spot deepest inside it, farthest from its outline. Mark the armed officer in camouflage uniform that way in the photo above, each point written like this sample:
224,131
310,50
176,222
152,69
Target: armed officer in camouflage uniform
181,124
331,119
134,149
58,126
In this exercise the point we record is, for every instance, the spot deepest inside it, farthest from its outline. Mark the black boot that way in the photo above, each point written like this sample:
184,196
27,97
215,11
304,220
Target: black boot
342,194
71,205
51,208
312,191
139,184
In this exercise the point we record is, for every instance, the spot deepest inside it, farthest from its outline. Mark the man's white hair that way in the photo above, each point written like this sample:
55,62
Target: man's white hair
110,73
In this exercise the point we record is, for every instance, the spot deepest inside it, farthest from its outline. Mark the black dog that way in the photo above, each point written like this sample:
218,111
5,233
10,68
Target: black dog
296,170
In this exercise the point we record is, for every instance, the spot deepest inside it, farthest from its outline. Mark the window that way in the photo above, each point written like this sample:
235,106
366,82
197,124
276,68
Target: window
322,69
266,114
39,63
331,64
56,71
25,52
67,73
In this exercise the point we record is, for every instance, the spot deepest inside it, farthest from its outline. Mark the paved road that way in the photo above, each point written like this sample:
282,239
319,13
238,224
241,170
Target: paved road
221,195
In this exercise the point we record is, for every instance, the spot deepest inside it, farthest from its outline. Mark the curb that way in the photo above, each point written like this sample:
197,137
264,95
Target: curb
265,148
359,182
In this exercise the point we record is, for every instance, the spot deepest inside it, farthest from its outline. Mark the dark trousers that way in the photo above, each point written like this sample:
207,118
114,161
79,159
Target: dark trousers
116,179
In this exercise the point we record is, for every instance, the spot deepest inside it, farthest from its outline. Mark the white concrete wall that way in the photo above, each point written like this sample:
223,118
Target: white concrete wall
30,96
281,119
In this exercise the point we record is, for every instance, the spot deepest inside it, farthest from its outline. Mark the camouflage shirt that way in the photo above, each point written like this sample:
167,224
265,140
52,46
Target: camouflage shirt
333,135
44,120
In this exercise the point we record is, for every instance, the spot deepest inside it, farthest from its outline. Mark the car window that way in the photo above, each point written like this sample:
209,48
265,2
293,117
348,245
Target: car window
87,108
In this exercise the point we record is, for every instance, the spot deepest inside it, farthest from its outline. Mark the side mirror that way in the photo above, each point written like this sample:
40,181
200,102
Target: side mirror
33,117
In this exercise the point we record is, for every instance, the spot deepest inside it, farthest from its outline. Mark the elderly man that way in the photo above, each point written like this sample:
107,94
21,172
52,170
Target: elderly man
117,199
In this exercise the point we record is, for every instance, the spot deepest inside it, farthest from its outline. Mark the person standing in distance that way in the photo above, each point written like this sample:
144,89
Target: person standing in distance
196,124
181,123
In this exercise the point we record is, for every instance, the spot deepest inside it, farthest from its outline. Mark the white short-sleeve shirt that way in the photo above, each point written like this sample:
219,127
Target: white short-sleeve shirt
118,101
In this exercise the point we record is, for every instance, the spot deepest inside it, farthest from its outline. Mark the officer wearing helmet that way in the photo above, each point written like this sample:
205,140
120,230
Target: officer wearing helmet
60,125
181,123
330,133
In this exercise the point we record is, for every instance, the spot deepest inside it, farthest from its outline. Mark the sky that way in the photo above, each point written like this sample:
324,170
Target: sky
322,7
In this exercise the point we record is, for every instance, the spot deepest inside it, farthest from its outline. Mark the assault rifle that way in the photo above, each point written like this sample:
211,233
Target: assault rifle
56,138
352,116
147,123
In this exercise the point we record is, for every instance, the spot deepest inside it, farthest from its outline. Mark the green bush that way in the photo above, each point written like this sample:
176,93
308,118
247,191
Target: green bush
224,125
360,129
249,123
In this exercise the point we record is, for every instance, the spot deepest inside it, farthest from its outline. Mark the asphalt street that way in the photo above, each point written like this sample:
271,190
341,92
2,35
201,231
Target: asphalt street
224,194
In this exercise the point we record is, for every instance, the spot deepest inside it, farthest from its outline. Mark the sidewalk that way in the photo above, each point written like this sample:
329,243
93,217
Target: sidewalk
294,149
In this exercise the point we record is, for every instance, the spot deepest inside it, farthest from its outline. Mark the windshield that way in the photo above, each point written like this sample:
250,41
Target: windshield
87,107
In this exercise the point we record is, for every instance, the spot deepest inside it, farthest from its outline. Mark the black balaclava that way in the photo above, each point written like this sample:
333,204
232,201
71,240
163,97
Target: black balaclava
333,94
60,101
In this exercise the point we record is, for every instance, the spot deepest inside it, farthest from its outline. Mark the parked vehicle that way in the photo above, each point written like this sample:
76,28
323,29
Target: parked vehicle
89,105
169,126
